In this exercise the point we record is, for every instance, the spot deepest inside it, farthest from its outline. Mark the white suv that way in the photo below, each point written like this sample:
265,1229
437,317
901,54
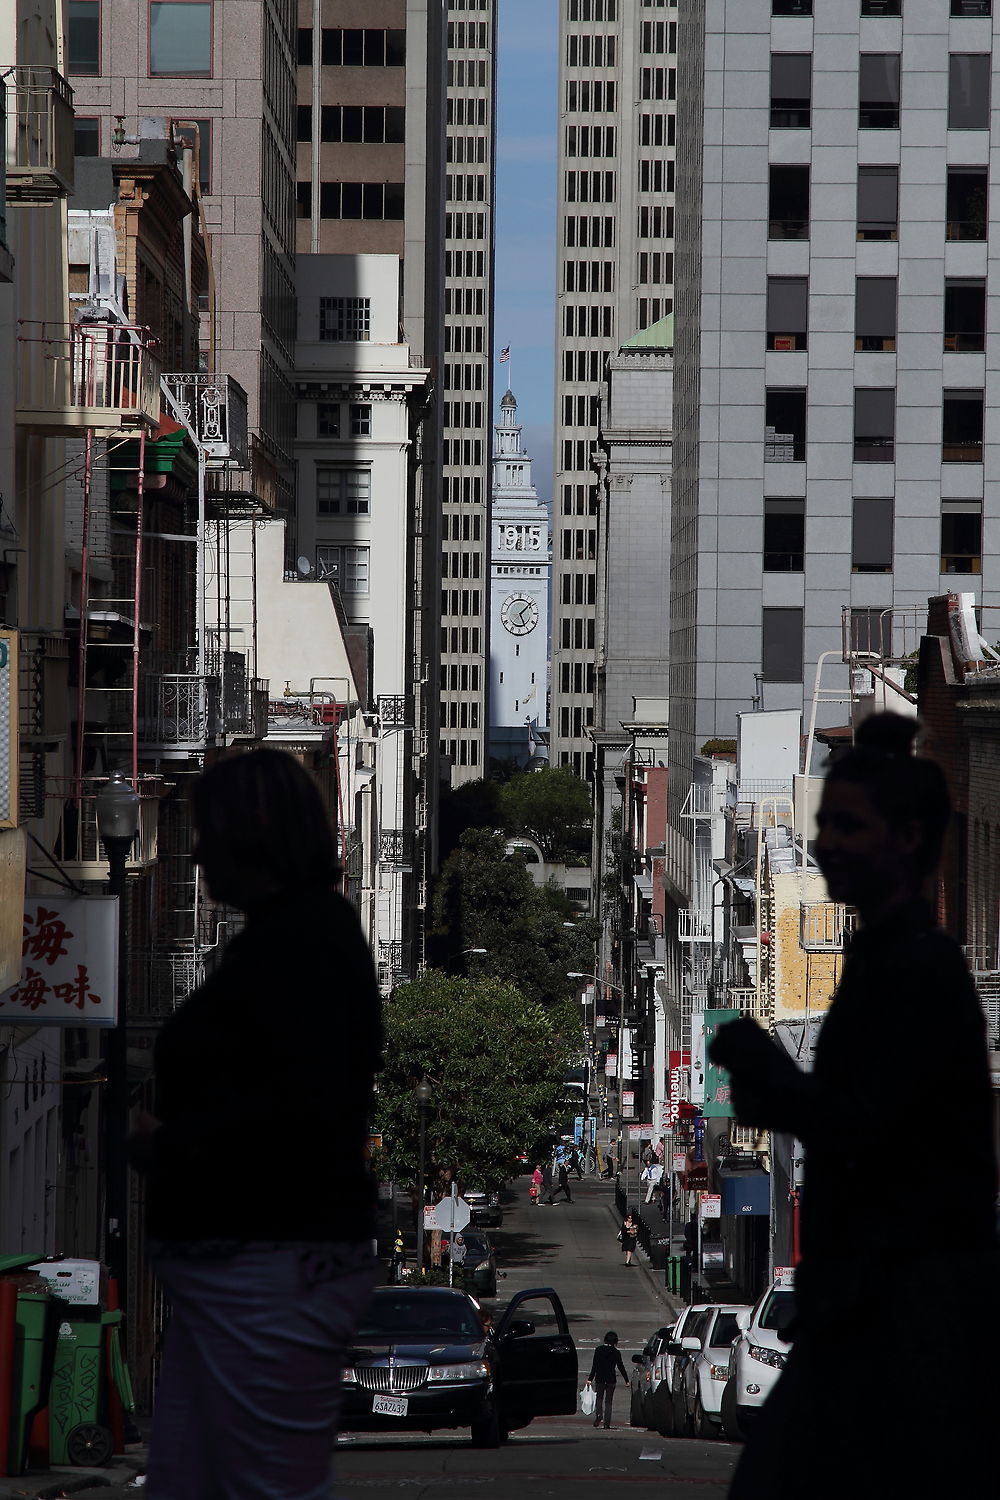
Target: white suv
758,1354
700,1380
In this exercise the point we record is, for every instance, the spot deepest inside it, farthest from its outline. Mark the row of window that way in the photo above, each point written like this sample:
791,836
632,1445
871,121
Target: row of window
461,564
468,34
375,123
589,231
458,377
468,75
466,148
576,676
966,203
579,500
591,140
462,528
465,301
784,548
345,319
591,51
467,451
578,588
592,10
588,322
465,226
342,47
461,602
879,90
962,425
351,200
875,313
460,714
581,411
882,7
462,187
658,36
464,111
335,419
464,340
462,489
465,263
461,752
179,38
591,96
578,544
460,639
588,276
589,187
347,567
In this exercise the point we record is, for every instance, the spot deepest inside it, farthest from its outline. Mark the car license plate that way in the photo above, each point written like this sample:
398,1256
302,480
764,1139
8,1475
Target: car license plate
390,1406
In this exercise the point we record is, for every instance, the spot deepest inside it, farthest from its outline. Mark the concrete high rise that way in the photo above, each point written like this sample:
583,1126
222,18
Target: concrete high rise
615,274
467,393
837,373
375,110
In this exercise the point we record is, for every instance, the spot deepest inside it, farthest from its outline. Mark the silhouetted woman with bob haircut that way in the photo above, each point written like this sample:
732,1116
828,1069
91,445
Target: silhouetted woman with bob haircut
893,1368
260,1210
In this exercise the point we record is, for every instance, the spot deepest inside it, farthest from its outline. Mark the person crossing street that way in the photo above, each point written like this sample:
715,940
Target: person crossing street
604,1369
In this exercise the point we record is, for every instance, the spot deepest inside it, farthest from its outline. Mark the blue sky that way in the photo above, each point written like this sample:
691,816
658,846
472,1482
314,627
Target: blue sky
526,193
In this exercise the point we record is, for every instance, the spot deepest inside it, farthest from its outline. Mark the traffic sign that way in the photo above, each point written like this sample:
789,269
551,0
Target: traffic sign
451,1215
640,1132
711,1205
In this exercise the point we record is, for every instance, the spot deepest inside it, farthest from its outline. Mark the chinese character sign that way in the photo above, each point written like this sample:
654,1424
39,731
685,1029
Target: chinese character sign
718,1104
69,965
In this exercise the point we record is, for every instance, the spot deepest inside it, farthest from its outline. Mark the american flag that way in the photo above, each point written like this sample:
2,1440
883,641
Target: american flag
505,355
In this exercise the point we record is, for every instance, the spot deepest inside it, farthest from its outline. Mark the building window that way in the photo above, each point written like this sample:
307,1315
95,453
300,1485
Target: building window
874,425
878,103
788,203
83,37
791,7
327,419
785,426
969,91
347,567
781,645
787,312
972,7
180,38
871,536
875,313
341,491
965,316
967,199
361,419
86,136
351,48
345,319
791,90
962,427
361,200
881,7
784,536
961,536
878,203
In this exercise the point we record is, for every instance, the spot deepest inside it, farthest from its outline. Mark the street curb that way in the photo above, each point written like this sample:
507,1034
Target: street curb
50,1484
673,1304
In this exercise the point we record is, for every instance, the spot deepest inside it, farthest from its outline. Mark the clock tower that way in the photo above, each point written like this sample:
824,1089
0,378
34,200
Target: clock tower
521,564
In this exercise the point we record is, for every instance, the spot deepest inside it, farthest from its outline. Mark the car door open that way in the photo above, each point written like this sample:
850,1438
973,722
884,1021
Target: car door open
536,1358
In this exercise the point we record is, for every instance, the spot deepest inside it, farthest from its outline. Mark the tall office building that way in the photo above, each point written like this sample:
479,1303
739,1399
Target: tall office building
467,393
396,127
836,376
615,274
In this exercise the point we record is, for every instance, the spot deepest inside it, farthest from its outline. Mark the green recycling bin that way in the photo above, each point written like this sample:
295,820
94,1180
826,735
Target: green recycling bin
79,1430
33,1349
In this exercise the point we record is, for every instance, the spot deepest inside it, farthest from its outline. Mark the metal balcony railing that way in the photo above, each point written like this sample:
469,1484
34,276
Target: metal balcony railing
78,846
180,711
823,926
71,376
39,132
171,976
214,410
694,926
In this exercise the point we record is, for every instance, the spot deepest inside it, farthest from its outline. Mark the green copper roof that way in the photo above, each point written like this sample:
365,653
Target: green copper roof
659,336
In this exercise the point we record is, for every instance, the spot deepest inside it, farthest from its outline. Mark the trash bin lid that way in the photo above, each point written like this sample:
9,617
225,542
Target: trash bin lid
10,1263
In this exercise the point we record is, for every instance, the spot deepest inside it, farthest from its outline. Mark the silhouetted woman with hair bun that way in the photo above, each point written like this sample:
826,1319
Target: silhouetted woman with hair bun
260,1211
895,1360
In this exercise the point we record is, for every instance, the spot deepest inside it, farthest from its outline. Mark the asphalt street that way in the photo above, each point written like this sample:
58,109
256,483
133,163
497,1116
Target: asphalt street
573,1248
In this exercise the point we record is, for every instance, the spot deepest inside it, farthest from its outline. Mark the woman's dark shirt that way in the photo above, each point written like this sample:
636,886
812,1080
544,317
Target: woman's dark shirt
606,1364
264,1085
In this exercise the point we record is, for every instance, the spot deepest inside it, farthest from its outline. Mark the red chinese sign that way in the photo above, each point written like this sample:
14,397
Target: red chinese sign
69,972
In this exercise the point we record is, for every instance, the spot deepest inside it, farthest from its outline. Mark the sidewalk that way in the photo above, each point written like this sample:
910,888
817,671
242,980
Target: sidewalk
49,1484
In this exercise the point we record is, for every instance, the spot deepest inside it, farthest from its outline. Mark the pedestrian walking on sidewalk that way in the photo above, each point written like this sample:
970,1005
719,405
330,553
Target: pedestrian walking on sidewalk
627,1235
546,1184
603,1376
574,1164
260,1207
563,1186
535,1190
905,1025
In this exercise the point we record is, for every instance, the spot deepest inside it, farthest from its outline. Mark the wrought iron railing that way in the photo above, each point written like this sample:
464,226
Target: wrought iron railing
180,709
214,410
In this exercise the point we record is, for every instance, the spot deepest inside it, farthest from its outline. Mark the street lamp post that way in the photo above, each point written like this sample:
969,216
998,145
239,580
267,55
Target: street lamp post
423,1094
117,824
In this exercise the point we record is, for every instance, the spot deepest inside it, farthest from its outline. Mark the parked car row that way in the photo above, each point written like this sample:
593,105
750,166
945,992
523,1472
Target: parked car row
713,1369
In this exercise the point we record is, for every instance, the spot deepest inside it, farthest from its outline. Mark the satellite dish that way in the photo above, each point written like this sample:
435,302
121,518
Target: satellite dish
304,566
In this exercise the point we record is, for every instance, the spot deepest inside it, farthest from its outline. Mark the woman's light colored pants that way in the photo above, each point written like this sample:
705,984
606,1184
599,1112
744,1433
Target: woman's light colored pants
250,1387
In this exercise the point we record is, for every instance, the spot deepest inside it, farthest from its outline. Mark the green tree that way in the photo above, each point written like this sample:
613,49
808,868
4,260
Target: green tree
551,806
533,937
495,1062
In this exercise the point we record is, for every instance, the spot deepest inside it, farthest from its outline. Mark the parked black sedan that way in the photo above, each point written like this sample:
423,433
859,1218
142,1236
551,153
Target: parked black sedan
424,1360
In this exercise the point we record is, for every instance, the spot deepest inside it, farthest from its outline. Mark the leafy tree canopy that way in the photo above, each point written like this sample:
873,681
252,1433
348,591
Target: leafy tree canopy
533,937
551,806
495,1062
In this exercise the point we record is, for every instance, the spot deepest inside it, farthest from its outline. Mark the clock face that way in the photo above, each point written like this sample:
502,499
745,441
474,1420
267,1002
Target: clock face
519,614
